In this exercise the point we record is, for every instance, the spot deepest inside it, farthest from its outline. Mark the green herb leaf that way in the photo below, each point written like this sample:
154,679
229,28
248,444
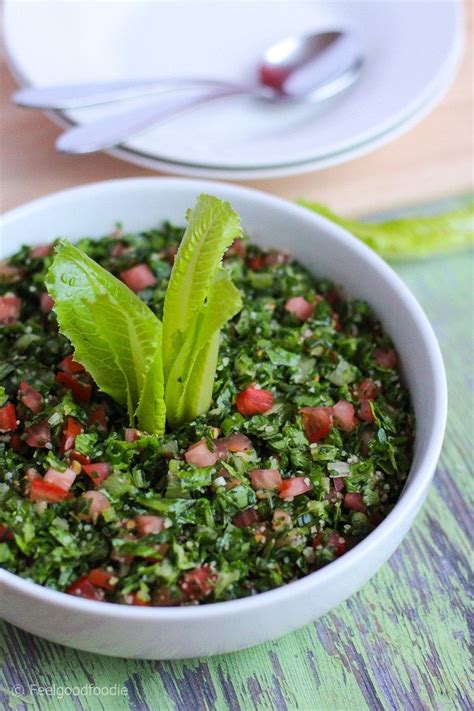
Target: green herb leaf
116,337
410,237
199,300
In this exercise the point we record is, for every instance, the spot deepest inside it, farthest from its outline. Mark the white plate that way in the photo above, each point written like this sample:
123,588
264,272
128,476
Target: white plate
411,51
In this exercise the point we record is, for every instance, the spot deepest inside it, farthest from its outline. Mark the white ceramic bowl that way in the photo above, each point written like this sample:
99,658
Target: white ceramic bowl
159,633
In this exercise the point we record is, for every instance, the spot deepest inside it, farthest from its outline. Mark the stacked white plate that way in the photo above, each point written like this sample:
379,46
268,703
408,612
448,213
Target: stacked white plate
411,53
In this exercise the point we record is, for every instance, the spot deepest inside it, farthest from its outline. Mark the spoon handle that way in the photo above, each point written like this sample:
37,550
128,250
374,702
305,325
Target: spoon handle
114,129
78,95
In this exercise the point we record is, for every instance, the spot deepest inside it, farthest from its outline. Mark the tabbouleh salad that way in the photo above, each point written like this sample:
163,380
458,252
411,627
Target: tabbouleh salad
304,451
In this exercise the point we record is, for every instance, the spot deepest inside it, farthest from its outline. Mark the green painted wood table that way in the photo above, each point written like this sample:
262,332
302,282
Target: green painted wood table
401,643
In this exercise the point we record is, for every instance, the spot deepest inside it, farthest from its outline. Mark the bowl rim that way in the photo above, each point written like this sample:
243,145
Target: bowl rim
411,497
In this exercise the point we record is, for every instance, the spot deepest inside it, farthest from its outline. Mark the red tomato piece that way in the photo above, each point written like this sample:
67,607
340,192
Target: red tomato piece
131,434
46,302
9,309
64,480
102,579
98,471
233,443
38,435
84,588
149,524
331,539
70,431
5,533
41,250
81,458
69,365
249,517
30,397
385,357
368,390
10,274
344,416
299,307
317,422
200,455
41,490
294,486
98,416
253,401
265,478
81,391
354,502
8,418
99,502
365,411
138,277
198,583
256,263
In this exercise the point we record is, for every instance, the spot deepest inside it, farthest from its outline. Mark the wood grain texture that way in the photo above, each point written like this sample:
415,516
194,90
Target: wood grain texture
433,160
399,644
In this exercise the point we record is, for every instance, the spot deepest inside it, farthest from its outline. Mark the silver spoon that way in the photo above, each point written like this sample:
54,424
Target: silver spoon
311,68
337,54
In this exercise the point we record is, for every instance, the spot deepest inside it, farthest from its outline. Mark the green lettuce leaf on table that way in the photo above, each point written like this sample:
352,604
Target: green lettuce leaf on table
410,237
116,337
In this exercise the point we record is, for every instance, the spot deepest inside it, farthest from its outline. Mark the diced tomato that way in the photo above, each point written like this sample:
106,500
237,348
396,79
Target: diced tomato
246,518
38,435
99,502
198,583
233,443
338,483
8,418
365,438
256,263
165,597
102,579
64,480
84,588
294,486
299,307
46,302
119,249
30,397
70,431
41,250
41,490
79,457
149,524
368,390
385,357
281,519
365,411
238,248
69,365
265,478
9,309
10,274
98,416
344,416
354,502
317,422
81,391
138,277
276,257
98,471
253,401
15,442
5,533
200,455
136,599
131,434
331,539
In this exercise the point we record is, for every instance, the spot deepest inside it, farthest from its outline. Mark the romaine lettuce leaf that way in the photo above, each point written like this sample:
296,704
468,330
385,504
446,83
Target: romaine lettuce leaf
116,337
410,237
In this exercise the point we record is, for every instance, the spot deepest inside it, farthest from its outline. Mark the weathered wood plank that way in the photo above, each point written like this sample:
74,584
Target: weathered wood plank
401,643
